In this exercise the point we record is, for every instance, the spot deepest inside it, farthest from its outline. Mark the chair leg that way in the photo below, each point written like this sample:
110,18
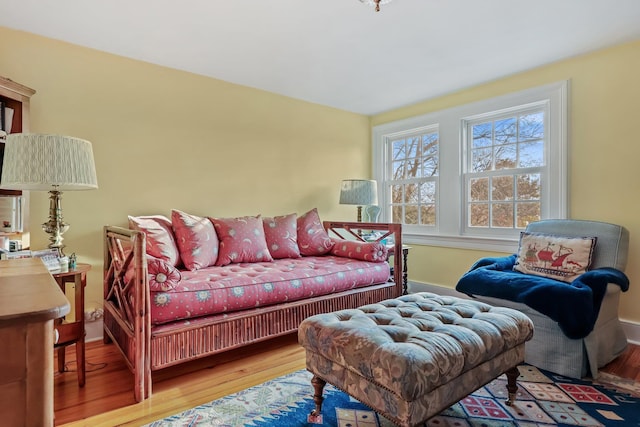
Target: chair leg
61,358
80,362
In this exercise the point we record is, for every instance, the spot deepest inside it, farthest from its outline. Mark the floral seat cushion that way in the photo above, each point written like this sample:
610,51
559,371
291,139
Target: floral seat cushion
223,289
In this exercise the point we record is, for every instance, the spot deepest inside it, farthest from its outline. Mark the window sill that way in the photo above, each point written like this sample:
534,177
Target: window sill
463,242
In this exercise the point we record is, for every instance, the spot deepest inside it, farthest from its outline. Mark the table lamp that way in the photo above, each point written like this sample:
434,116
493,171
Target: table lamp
51,163
359,192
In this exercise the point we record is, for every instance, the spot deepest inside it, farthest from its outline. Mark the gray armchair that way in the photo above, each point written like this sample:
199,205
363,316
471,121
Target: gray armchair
550,348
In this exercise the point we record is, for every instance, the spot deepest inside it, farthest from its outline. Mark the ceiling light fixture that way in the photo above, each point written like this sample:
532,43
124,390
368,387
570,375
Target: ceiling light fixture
375,3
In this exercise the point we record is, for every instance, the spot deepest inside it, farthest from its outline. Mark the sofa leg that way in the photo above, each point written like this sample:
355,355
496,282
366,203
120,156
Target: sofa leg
318,386
512,386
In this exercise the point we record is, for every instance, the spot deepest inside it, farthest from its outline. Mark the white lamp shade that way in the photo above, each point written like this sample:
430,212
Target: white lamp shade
359,192
47,162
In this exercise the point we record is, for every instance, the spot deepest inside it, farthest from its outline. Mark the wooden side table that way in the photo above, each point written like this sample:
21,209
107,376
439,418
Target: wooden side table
73,332
405,269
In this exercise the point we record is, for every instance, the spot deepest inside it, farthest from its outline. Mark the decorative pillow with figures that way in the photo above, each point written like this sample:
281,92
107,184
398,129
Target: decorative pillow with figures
556,257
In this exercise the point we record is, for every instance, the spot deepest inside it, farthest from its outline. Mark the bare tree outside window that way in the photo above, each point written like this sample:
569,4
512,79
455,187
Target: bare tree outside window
414,182
506,155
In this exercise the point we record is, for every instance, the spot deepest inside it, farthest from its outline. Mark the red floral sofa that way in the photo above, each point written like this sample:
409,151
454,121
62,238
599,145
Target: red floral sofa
187,287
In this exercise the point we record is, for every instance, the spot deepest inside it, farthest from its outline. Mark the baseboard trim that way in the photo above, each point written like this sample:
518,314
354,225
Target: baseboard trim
93,330
436,289
631,329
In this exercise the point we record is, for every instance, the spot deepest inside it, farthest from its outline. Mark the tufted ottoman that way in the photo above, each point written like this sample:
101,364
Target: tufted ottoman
411,357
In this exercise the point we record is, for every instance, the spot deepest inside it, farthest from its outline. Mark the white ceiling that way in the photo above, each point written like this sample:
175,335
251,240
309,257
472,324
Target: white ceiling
338,53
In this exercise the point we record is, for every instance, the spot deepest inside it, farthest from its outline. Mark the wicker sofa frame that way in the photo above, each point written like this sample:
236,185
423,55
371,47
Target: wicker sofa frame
146,348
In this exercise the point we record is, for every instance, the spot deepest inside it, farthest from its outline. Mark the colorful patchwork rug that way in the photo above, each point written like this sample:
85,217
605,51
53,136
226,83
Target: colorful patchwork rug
544,399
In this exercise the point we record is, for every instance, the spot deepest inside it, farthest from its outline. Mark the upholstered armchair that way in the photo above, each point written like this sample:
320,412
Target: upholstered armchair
576,323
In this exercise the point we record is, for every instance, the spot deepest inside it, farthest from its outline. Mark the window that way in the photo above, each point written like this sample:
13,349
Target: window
474,176
504,165
414,166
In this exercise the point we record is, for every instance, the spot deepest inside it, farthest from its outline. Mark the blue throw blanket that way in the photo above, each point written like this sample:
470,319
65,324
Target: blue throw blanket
575,306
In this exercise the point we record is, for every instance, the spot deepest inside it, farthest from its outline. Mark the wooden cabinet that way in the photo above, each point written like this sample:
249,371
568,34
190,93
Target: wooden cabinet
30,300
17,98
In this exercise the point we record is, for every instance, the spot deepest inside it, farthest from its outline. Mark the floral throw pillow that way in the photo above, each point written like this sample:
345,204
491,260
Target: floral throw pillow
160,241
282,236
365,251
312,237
162,276
556,257
241,240
196,239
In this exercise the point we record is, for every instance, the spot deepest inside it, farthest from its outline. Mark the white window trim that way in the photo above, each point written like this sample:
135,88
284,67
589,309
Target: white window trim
449,230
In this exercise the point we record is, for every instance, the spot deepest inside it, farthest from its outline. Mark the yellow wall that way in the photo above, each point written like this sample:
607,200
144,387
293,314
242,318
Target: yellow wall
604,151
166,139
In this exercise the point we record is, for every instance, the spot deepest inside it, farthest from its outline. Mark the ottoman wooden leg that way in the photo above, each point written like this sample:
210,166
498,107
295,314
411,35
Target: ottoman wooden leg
512,386
318,386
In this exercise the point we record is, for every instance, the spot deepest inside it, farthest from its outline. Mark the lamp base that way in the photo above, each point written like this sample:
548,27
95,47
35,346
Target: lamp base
55,227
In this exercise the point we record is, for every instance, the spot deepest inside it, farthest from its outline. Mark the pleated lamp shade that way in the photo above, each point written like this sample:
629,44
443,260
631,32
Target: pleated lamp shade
46,162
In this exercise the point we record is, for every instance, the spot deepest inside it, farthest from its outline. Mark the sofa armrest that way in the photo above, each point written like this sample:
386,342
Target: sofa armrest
128,303
126,284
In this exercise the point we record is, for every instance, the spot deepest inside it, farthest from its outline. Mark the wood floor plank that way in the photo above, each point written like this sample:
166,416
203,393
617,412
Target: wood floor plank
107,398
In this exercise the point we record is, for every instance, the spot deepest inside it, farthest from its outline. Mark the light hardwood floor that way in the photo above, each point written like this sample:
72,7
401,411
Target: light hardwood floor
109,383
107,399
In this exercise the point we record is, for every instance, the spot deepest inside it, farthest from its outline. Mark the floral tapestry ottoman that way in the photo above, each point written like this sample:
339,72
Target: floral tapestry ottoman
411,357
